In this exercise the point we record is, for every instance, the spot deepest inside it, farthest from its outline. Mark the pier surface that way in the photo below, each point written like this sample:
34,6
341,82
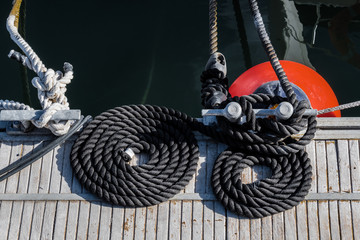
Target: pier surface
45,200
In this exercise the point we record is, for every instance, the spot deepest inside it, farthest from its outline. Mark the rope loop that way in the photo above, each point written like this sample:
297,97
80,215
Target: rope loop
51,85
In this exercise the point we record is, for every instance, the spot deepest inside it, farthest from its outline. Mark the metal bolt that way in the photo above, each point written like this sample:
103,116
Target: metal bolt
232,112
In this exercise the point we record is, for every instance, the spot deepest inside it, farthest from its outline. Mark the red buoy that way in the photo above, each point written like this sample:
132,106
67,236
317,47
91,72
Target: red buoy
316,88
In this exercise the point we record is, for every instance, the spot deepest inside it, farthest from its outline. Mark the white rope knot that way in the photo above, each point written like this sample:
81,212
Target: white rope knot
51,85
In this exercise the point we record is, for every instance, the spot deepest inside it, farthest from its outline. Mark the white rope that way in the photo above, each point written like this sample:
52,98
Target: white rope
11,105
340,107
51,84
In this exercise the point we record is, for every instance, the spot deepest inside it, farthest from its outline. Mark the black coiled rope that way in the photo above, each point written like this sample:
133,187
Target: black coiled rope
99,156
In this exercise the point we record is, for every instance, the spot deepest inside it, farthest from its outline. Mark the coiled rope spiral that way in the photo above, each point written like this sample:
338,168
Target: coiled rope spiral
99,156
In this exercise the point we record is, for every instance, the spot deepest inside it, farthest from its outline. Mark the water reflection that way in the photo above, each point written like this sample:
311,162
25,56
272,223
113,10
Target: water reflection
128,52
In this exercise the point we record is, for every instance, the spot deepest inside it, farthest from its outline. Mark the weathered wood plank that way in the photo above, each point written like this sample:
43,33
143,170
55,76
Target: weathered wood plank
140,221
333,170
201,170
197,219
211,155
301,221
175,220
344,166
10,187
346,229
17,208
266,228
83,220
49,219
354,165
151,219
186,219
220,221
313,220
60,219
5,156
322,188
290,224
208,219
105,221
334,219
163,221
49,182
355,208
278,226
72,220
117,223
129,223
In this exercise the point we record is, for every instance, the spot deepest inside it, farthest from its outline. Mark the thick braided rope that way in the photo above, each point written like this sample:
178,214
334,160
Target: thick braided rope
100,163
286,188
51,84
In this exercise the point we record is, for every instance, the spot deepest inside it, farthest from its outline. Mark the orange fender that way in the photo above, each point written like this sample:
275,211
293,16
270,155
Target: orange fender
315,87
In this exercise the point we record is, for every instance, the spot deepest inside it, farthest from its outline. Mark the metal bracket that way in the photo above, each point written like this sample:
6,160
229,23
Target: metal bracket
28,115
233,112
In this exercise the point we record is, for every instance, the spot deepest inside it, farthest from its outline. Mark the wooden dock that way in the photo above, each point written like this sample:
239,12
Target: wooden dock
45,201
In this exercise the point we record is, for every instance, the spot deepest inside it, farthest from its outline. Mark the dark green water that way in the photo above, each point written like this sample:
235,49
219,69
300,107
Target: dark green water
130,52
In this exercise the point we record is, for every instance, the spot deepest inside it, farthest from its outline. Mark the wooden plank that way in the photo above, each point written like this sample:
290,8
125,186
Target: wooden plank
186,219
333,170
49,219
83,220
310,149
354,165
200,180
233,229
37,219
255,229
129,222
313,220
211,155
57,167
117,222
355,207
197,219
175,220
220,221
266,228
46,179
322,188
208,219
5,156
105,221
346,229
278,226
39,206
151,220
290,224
140,223
301,221
342,123
72,220
17,208
60,219
10,187
334,219
344,166
163,221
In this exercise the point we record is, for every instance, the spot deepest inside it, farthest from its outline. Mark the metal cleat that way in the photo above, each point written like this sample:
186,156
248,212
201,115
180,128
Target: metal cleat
217,61
233,112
